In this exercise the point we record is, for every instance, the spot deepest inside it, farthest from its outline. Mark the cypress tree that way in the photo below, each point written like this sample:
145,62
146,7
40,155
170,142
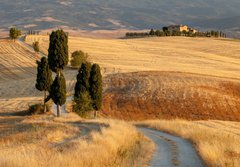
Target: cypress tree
82,97
58,92
96,89
58,50
44,78
83,79
152,32
58,59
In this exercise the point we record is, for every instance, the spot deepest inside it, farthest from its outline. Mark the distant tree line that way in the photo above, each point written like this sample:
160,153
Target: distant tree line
137,34
165,32
14,33
32,32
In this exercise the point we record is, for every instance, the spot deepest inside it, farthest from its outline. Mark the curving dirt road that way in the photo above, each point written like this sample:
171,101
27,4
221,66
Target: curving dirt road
171,151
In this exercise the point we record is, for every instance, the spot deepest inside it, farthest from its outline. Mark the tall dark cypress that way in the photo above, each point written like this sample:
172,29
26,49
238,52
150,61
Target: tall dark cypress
82,79
95,87
58,59
82,97
44,78
58,50
58,90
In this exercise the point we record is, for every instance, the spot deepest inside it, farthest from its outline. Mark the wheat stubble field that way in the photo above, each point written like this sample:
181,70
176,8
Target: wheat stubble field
176,77
194,55
16,77
153,78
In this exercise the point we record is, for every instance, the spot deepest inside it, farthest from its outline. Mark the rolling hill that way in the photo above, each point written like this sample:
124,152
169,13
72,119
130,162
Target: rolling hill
216,57
17,62
191,78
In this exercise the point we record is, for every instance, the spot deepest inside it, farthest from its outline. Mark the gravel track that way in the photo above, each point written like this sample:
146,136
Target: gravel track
171,151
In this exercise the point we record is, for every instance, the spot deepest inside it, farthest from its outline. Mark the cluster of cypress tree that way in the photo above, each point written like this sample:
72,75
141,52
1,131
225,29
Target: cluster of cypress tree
88,89
57,60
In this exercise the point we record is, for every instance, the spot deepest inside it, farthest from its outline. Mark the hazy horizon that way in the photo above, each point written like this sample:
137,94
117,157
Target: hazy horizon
124,14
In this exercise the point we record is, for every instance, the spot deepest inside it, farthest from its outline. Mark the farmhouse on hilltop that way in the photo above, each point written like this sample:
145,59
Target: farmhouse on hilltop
181,28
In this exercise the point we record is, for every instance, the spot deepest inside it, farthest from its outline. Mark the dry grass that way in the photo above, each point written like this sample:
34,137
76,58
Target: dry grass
47,141
164,95
218,142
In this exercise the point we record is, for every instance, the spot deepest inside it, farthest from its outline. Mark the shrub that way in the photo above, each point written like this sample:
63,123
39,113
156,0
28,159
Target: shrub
78,57
14,33
36,46
83,104
38,109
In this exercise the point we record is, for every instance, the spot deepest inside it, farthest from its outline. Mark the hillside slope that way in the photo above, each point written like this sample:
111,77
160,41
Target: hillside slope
214,57
16,61
158,95
191,78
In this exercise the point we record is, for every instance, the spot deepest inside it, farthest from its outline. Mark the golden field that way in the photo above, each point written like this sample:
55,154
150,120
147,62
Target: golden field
153,78
218,142
17,62
168,77
192,55
47,141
